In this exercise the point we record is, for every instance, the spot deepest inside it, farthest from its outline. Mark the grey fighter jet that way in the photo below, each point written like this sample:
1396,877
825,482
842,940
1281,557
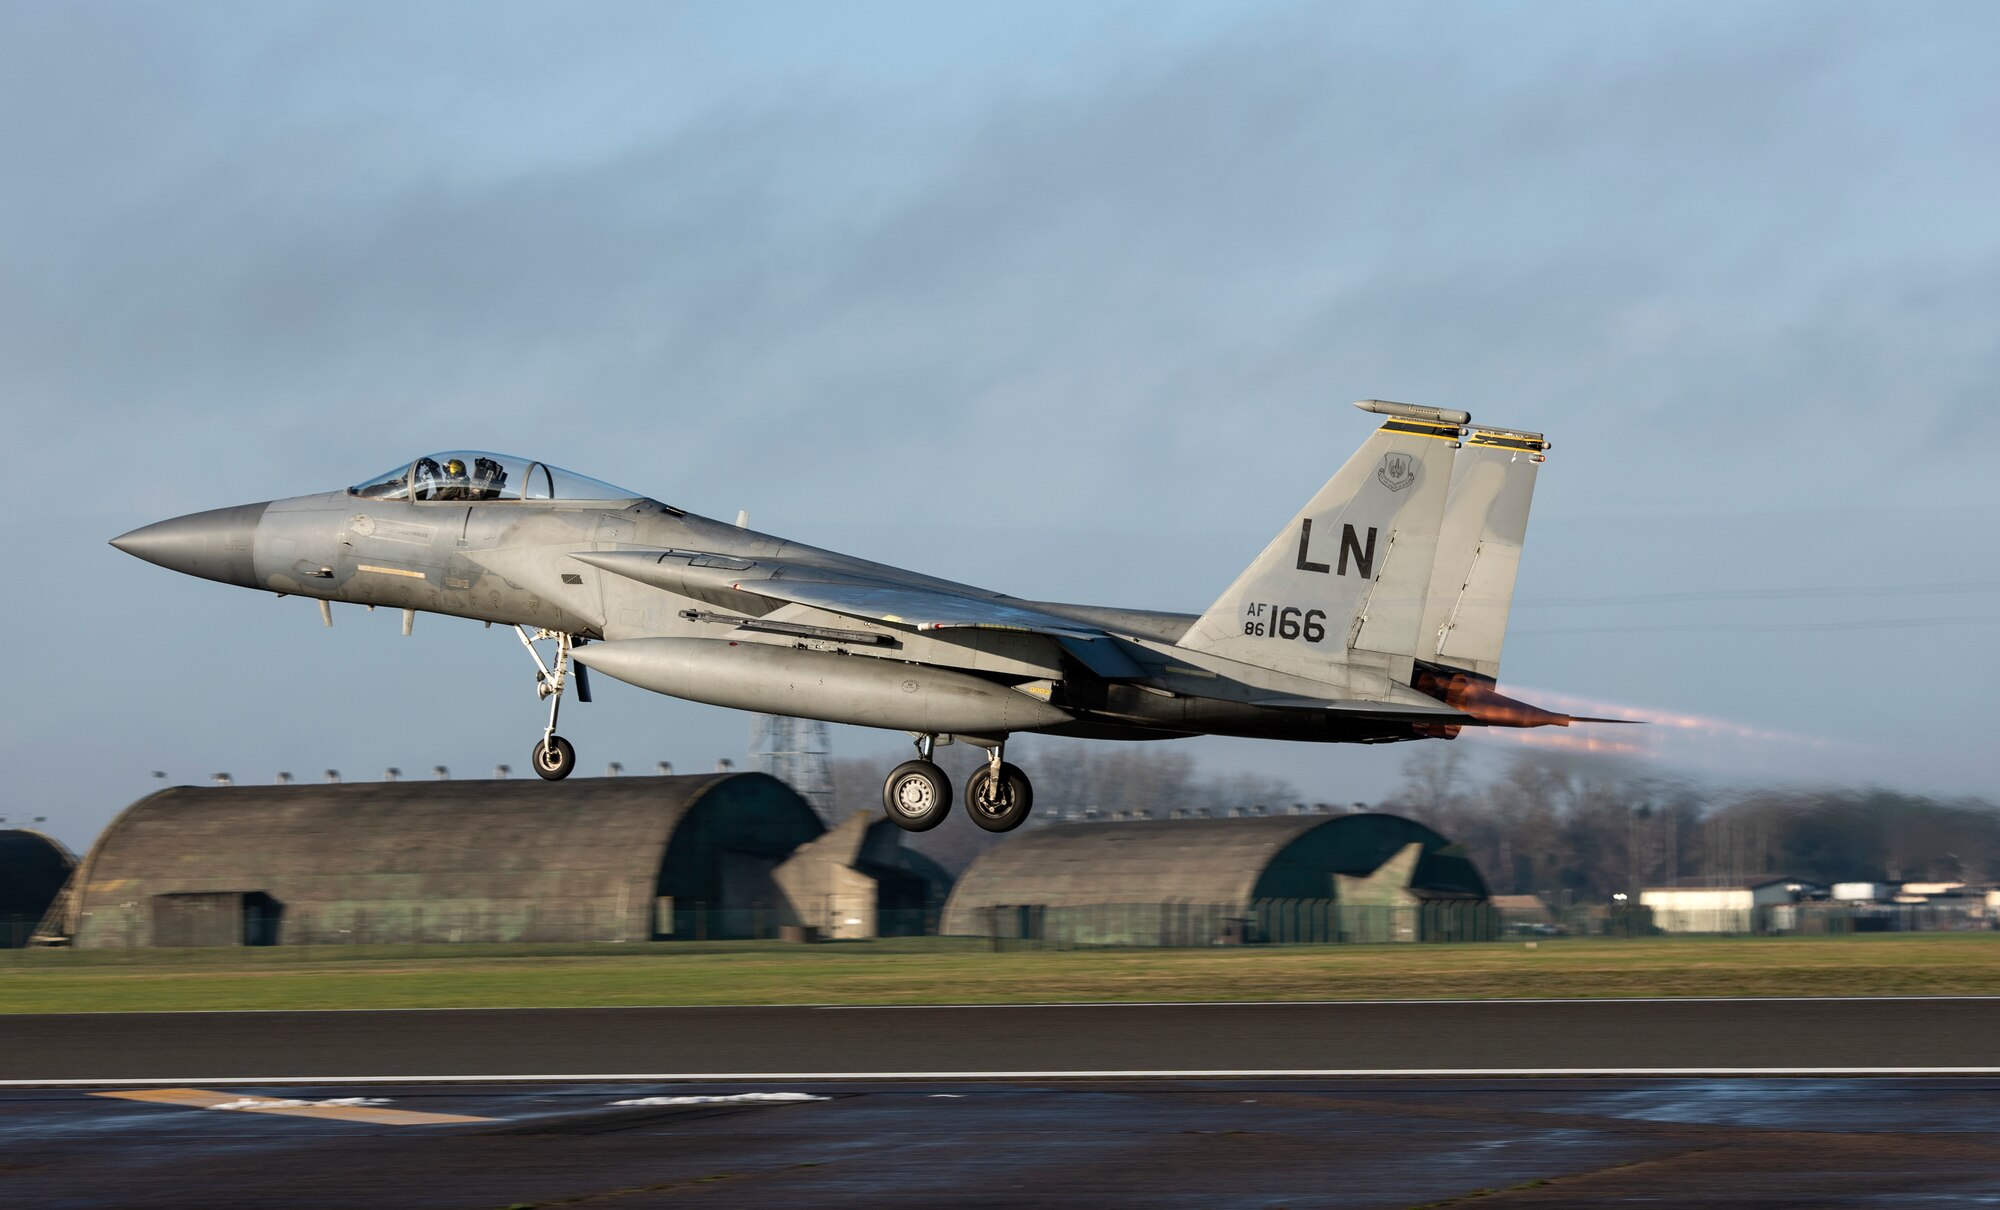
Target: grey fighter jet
1375,615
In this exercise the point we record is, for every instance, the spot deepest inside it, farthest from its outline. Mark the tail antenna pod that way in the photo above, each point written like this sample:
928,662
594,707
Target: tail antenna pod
1414,411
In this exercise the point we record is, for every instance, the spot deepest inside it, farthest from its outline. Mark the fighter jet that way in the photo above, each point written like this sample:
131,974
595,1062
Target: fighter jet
1375,615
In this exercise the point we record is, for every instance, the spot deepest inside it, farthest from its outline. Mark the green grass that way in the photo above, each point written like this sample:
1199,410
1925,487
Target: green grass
950,970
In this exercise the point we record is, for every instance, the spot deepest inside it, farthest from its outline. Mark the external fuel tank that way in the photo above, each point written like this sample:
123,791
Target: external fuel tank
863,690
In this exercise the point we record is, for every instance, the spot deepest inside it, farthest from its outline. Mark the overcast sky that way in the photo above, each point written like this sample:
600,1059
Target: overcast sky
1068,300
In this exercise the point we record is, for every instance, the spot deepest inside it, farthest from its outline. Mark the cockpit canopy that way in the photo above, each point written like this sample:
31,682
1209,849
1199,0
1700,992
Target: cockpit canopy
458,475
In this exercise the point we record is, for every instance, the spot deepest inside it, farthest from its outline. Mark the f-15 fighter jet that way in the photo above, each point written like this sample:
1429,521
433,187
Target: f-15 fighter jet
1375,615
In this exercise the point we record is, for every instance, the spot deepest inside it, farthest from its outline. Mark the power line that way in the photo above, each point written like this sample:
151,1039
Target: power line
1767,594
1768,627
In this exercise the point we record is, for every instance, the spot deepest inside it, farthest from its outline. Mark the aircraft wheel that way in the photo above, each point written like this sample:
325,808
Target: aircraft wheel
917,795
1002,808
555,759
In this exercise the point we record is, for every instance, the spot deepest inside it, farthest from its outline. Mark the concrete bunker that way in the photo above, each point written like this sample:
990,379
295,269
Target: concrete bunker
593,859
33,870
1276,879
859,880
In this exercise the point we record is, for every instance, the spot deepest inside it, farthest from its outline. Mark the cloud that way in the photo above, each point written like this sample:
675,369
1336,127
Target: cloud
1070,303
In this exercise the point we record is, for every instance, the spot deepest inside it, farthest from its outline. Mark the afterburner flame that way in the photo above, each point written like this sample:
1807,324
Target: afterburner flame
1666,734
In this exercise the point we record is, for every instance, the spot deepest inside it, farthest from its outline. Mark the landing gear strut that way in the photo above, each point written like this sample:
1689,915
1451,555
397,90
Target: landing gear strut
998,795
554,758
917,794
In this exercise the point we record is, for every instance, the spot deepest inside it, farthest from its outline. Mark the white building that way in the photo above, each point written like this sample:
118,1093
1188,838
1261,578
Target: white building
1924,892
1715,909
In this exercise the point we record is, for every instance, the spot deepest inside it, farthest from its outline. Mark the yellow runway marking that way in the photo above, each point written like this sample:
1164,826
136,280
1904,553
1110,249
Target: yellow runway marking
200,1098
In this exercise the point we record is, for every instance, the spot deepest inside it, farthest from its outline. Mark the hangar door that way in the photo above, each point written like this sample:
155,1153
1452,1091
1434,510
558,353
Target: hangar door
216,918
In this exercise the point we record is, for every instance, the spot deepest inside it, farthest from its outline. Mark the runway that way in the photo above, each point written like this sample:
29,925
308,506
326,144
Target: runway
1220,1143
1945,1035
988,1106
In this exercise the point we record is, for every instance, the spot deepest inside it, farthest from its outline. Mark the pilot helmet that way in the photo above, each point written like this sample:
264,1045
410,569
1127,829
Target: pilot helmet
454,467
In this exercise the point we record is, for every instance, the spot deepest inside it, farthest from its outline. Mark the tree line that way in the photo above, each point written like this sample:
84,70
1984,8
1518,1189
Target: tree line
1580,830
1572,829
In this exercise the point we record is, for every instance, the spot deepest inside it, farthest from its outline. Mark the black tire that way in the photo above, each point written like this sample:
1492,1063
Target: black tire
554,760
1010,809
917,795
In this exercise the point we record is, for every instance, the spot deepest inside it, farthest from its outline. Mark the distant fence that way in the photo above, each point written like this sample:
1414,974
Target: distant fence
15,929
1262,922
1171,925
1811,919
124,926
1267,922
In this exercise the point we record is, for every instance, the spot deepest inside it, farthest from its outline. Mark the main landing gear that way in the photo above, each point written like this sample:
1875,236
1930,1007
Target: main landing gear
554,757
917,794
998,795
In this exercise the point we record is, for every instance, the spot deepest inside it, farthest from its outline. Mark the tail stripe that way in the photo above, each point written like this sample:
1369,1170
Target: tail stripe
1417,428
1534,445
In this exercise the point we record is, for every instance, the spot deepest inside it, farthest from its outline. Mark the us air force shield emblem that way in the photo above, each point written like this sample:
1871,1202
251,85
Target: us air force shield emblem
1397,471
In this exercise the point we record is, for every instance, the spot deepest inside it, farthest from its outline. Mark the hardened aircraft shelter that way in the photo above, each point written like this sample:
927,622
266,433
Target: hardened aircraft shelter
597,859
1279,879
33,870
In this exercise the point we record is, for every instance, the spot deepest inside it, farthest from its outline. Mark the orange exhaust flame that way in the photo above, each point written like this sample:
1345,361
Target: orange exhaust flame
1567,741
1674,737
1712,727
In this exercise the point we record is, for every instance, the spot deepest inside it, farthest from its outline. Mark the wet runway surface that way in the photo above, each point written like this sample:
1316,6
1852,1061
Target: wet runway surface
1797,1036
1120,1105
1249,1143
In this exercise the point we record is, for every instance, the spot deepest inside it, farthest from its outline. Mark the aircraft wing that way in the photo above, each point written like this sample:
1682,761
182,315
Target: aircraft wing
919,608
909,606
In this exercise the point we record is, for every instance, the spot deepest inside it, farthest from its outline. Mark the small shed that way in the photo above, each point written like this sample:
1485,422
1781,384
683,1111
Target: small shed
859,881
1739,905
1525,913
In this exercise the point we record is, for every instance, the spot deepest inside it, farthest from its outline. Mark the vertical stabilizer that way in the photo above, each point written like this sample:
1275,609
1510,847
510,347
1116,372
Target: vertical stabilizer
1479,549
1338,595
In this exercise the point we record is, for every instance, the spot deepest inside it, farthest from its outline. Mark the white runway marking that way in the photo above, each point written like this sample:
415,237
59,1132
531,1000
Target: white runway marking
739,1098
340,1109
288,1103
1598,1000
831,1077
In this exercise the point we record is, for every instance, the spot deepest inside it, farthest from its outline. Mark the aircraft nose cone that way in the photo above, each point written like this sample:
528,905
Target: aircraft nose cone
215,545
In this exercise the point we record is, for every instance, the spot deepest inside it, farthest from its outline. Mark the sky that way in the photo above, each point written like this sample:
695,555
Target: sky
1067,300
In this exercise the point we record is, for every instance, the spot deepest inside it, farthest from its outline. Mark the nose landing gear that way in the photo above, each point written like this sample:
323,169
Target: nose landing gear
554,757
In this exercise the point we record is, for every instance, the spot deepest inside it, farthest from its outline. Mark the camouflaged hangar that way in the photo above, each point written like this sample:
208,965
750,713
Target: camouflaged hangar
595,859
33,870
1285,878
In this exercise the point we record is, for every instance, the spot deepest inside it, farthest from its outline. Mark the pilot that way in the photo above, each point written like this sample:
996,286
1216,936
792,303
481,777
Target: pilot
456,485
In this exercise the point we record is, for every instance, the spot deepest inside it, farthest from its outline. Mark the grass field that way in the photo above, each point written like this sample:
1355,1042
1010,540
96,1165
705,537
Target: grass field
949,970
